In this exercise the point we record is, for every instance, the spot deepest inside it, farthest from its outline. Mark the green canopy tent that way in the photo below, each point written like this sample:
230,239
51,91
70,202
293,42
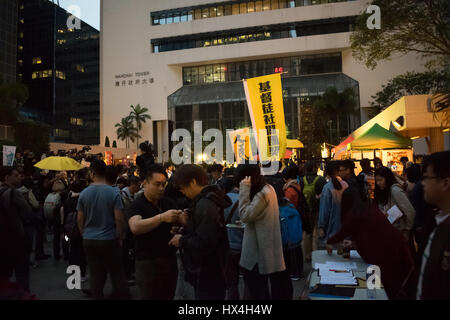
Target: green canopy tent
378,137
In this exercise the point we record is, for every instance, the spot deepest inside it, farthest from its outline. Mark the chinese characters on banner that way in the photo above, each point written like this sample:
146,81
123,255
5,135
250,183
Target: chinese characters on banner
265,104
240,140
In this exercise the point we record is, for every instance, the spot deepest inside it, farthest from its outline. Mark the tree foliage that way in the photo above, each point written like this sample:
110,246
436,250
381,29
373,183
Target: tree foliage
33,136
12,97
406,26
335,106
126,131
411,83
139,116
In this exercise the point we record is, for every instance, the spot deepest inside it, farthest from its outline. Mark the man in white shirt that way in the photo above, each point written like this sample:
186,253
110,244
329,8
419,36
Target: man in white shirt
434,278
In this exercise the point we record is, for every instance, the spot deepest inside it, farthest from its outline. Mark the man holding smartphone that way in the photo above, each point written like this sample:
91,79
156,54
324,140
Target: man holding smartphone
151,217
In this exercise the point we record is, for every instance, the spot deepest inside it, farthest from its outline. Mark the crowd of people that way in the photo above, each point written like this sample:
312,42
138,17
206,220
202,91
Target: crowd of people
133,225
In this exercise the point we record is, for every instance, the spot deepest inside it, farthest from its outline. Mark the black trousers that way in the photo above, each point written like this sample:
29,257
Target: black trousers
103,258
128,257
58,240
258,284
39,238
293,258
77,256
157,278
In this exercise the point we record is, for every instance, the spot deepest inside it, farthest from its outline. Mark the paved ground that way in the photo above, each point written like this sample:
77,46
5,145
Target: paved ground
48,282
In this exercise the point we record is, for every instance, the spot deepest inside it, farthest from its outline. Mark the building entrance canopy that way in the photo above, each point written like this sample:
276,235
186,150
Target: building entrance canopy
312,85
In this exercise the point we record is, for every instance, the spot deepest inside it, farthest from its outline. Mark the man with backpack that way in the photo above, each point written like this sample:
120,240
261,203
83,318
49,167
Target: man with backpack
292,192
15,216
129,194
235,231
312,185
204,244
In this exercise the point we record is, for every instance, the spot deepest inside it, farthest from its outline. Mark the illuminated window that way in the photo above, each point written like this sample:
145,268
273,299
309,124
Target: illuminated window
235,9
243,8
80,68
21,35
258,6
275,4
37,60
41,74
205,13
61,41
60,31
70,30
251,7
61,75
22,20
220,11
20,61
21,7
76,121
266,5
62,133
20,48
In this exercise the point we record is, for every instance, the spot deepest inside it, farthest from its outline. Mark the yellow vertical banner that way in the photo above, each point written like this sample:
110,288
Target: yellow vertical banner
240,140
265,104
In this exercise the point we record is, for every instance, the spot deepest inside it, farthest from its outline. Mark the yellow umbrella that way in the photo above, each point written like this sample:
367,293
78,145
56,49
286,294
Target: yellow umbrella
294,144
59,164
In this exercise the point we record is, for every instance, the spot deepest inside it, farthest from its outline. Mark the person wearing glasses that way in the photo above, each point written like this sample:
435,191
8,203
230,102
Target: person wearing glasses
434,277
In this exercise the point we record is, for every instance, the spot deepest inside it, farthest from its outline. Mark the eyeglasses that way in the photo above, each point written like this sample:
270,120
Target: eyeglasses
431,177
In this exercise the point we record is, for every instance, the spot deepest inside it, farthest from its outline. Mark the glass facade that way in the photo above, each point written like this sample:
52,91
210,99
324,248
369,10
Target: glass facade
60,67
269,32
289,67
228,8
223,106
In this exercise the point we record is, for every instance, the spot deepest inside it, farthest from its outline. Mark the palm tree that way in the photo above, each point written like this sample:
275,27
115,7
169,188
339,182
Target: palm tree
127,131
339,104
140,116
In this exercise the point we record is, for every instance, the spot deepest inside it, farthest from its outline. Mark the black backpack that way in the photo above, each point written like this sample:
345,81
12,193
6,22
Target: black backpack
303,210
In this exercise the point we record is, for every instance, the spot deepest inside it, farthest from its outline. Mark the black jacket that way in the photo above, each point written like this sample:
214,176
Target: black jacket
436,277
204,245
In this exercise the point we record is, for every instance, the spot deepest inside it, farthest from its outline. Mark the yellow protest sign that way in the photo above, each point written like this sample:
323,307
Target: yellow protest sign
240,140
265,103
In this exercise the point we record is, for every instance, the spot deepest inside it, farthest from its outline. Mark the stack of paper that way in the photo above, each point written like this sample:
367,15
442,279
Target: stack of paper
337,273
393,214
337,265
354,254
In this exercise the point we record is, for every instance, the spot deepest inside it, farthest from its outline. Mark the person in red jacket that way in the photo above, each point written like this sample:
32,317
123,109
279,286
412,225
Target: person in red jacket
379,243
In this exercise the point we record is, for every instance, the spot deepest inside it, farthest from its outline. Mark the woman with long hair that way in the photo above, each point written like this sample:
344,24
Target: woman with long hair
262,248
330,202
388,194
